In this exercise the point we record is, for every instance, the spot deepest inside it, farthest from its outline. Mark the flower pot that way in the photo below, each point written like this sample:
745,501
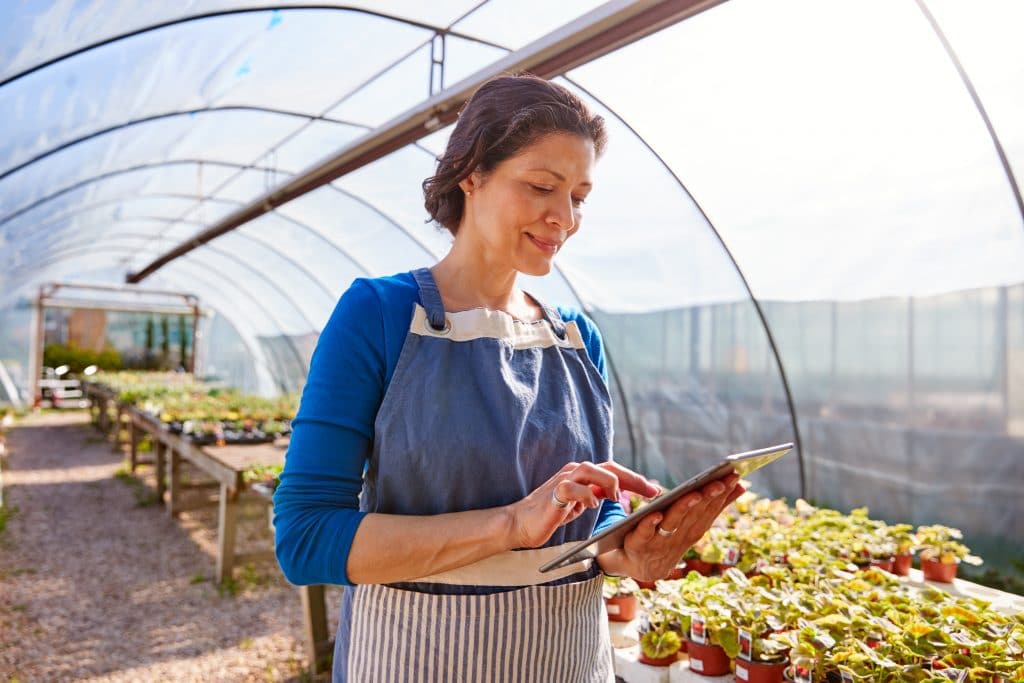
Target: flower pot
884,565
700,566
901,564
760,672
646,585
707,660
621,607
662,661
935,570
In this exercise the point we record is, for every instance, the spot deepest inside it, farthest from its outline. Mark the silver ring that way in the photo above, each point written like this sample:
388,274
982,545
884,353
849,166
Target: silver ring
558,503
664,532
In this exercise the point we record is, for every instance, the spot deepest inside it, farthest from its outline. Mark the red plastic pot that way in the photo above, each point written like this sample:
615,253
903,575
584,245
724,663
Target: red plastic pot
901,564
661,661
759,672
621,607
700,566
707,660
885,565
934,570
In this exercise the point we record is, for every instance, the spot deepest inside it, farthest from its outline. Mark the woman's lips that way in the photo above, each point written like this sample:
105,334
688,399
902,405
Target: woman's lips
544,245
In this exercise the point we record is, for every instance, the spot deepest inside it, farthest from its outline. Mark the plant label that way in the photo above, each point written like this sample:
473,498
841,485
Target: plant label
802,672
741,672
613,609
697,630
696,664
732,556
746,646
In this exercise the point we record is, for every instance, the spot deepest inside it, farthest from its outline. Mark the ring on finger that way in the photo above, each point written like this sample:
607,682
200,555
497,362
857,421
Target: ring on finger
559,503
664,532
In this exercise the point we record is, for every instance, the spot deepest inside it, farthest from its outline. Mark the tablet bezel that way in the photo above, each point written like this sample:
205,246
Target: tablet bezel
612,538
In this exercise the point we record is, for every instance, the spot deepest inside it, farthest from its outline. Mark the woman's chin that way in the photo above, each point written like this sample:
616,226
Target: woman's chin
535,267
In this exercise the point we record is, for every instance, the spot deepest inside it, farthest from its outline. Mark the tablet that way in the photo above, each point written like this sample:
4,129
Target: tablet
612,538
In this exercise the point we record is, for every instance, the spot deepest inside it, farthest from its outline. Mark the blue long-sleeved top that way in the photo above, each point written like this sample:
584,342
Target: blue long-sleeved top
316,506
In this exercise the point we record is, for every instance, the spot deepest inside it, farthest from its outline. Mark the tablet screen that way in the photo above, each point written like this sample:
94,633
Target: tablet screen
613,537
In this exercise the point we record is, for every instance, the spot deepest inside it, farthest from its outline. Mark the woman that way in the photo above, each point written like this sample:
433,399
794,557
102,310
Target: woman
479,434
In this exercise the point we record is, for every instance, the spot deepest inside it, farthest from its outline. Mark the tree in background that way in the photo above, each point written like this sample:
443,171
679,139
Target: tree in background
165,342
182,343
150,333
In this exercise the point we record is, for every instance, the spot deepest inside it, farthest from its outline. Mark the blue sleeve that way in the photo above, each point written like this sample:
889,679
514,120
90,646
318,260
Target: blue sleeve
316,505
611,511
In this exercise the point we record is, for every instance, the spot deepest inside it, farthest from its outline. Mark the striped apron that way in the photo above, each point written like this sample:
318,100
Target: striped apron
482,409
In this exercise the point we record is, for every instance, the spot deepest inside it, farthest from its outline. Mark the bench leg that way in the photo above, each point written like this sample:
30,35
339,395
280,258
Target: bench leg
159,467
173,481
226,525
314,618
133,439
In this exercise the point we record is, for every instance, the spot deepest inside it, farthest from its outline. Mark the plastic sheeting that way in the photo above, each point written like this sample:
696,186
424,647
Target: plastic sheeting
801,226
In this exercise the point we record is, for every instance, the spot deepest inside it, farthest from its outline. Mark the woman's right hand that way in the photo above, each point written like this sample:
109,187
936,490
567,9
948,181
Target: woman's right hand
581,485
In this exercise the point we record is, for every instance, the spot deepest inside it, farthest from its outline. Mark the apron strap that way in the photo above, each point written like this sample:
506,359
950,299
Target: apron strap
430,297
552,316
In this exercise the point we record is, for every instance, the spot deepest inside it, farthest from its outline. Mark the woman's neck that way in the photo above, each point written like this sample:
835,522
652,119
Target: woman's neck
467,279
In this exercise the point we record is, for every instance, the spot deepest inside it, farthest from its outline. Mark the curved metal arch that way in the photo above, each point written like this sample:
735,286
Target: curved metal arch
77,252
76,211
969,85
123,171
170,115
791,405
142,237
246,10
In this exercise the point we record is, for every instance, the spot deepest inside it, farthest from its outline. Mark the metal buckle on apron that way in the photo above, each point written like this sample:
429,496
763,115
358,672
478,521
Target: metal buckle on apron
444,332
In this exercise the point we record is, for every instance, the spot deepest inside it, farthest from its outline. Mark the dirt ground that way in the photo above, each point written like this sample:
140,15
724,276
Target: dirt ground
99,583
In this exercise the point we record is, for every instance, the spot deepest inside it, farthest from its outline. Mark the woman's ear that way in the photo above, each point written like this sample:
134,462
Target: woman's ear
471,183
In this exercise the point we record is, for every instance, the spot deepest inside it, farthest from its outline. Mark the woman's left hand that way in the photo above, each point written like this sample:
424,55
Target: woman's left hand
648,555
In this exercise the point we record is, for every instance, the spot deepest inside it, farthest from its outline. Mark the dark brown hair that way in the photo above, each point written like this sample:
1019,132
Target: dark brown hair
504,115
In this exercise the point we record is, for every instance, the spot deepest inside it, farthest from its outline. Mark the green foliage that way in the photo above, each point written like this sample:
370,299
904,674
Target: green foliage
165,337
657,644
78,359
198,578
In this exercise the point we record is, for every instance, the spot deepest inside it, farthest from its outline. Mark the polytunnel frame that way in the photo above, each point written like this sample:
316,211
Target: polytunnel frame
438,110
46,299
195,269
73,252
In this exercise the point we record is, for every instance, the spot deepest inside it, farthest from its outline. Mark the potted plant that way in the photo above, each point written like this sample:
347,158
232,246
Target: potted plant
941,552
620,597
905,543
660,646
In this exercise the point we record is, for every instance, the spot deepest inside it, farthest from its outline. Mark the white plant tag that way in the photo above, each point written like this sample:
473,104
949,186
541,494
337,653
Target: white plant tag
741,672
732,556
697,633
746,646
614,609
696,664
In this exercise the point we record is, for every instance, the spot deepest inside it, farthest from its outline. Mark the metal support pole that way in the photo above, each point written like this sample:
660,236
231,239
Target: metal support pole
35,362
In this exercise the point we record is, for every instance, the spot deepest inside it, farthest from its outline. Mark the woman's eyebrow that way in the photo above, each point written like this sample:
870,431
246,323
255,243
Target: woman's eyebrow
585,183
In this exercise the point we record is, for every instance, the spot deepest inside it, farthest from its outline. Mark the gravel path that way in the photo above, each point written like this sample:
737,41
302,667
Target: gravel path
98,583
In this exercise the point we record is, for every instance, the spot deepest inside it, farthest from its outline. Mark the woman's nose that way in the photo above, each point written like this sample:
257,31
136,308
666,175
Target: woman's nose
563,215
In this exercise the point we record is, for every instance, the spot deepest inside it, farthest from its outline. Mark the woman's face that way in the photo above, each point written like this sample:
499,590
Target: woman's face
523,211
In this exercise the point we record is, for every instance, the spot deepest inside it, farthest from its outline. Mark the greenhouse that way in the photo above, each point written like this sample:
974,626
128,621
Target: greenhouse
805,227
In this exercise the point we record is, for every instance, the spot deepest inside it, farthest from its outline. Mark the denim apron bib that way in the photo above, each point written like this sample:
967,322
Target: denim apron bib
482,409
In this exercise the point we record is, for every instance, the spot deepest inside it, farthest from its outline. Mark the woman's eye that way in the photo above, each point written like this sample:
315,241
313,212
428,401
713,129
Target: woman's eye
541,189
578,201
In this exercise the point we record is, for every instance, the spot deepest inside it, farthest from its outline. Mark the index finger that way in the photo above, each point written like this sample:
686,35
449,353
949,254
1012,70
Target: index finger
630,480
